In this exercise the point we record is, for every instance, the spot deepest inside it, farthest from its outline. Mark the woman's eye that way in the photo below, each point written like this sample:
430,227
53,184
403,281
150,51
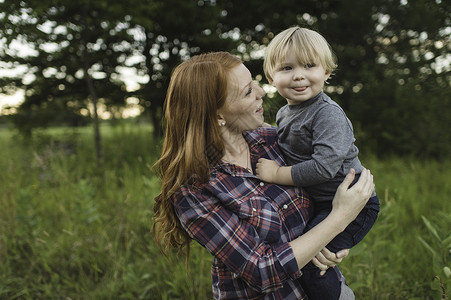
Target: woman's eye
249,91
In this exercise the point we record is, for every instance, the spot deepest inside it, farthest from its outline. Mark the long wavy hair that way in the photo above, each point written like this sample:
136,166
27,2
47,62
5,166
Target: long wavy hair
192,142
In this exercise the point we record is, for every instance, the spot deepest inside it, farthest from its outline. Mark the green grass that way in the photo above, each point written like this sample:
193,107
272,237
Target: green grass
73,228
392,262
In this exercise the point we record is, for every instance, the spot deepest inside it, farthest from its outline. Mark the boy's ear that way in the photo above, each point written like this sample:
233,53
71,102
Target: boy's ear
327,75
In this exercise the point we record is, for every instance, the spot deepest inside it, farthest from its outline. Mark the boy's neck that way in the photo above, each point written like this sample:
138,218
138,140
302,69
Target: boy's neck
306,102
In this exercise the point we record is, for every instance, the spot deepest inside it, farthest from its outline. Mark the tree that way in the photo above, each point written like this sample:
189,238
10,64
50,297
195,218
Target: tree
171,31
389,55
402,102
77,50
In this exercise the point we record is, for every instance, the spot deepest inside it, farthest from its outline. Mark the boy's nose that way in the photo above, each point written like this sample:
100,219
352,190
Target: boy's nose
298,75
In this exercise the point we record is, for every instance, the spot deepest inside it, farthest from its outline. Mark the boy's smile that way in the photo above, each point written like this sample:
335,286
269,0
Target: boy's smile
298,82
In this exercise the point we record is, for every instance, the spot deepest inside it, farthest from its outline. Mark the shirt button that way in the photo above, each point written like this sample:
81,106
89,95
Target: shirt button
234,275
254,209
262,183
285,206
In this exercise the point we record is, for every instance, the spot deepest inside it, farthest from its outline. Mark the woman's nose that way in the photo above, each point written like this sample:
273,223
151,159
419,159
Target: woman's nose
261,92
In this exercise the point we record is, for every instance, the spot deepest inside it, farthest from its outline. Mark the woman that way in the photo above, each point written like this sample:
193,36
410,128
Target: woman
210,194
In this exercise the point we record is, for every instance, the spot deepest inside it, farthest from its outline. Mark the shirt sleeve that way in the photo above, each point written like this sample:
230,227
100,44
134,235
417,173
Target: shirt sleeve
263,266
332,137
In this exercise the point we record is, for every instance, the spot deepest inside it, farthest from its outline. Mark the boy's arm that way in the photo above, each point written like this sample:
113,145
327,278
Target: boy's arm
332,138
269,171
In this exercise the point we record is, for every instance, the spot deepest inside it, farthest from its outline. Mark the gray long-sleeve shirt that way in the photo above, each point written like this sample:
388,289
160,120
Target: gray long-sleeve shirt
317,140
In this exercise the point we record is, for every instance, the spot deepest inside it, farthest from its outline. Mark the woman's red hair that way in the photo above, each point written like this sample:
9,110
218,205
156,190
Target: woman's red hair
192,142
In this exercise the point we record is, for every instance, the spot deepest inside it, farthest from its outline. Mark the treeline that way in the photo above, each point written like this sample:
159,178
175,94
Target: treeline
87,57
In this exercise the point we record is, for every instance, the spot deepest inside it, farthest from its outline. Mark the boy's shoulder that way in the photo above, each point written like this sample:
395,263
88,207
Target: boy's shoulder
283,109
326,104
324,99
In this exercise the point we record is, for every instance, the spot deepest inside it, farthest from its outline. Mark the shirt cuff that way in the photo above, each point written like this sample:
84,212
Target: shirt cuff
288,263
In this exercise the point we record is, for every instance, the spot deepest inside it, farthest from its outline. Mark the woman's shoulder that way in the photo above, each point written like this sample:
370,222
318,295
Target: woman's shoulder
267,134
196,188
188,196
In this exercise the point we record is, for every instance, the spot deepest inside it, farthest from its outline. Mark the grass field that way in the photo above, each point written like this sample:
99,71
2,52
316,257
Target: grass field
73,228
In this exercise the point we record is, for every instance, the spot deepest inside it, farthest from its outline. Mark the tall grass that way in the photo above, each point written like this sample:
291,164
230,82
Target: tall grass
72,228
391,262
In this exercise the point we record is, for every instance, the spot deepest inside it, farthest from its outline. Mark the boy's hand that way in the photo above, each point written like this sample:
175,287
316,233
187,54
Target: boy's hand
269,171
266,170
326,259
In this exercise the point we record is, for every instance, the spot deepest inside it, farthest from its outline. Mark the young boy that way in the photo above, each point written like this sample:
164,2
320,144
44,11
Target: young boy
316,139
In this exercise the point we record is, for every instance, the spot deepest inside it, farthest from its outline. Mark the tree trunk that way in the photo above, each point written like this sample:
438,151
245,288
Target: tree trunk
156,122
92,95
94,101
156,106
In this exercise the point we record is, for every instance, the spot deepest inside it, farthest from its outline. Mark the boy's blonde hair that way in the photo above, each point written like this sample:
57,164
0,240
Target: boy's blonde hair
308,45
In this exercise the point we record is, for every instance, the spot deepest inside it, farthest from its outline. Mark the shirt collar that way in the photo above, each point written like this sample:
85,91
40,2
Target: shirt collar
305,103
254,140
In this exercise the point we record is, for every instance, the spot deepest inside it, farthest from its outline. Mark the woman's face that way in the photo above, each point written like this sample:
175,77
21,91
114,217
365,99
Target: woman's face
243,107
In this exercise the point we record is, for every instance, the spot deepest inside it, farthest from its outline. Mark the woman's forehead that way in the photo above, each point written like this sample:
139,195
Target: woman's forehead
241,76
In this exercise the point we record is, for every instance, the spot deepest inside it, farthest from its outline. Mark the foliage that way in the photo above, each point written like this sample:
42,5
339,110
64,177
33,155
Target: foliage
389,80
171,31
393,58
392,253
440,250
69,229
76,51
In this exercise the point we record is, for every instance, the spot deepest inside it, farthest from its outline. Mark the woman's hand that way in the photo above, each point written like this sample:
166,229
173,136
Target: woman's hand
348,202
326,259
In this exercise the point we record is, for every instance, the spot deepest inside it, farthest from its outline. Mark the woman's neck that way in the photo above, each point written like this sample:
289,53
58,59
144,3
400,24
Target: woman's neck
236,150
234,143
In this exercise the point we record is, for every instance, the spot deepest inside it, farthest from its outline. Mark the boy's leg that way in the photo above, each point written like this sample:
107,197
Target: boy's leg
357,229
328,286
319,287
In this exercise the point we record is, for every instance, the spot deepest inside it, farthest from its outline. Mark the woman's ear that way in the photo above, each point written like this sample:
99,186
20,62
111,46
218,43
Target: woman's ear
221,120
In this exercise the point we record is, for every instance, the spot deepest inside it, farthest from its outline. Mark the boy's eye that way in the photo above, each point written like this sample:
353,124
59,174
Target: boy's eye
311,65
286,68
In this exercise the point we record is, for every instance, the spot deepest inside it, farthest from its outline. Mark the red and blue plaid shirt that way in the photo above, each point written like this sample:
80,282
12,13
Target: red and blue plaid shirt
247,225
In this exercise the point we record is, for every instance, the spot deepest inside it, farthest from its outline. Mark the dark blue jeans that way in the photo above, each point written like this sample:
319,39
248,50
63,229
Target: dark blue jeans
328,287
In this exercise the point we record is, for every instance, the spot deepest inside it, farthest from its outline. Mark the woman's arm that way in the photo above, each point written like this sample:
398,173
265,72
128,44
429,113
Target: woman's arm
234,241
347,204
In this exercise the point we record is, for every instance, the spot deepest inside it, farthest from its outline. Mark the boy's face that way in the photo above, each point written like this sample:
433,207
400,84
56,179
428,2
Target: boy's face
298,83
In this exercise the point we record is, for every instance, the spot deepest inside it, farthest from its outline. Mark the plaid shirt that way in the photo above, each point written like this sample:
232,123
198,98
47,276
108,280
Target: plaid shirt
246,225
